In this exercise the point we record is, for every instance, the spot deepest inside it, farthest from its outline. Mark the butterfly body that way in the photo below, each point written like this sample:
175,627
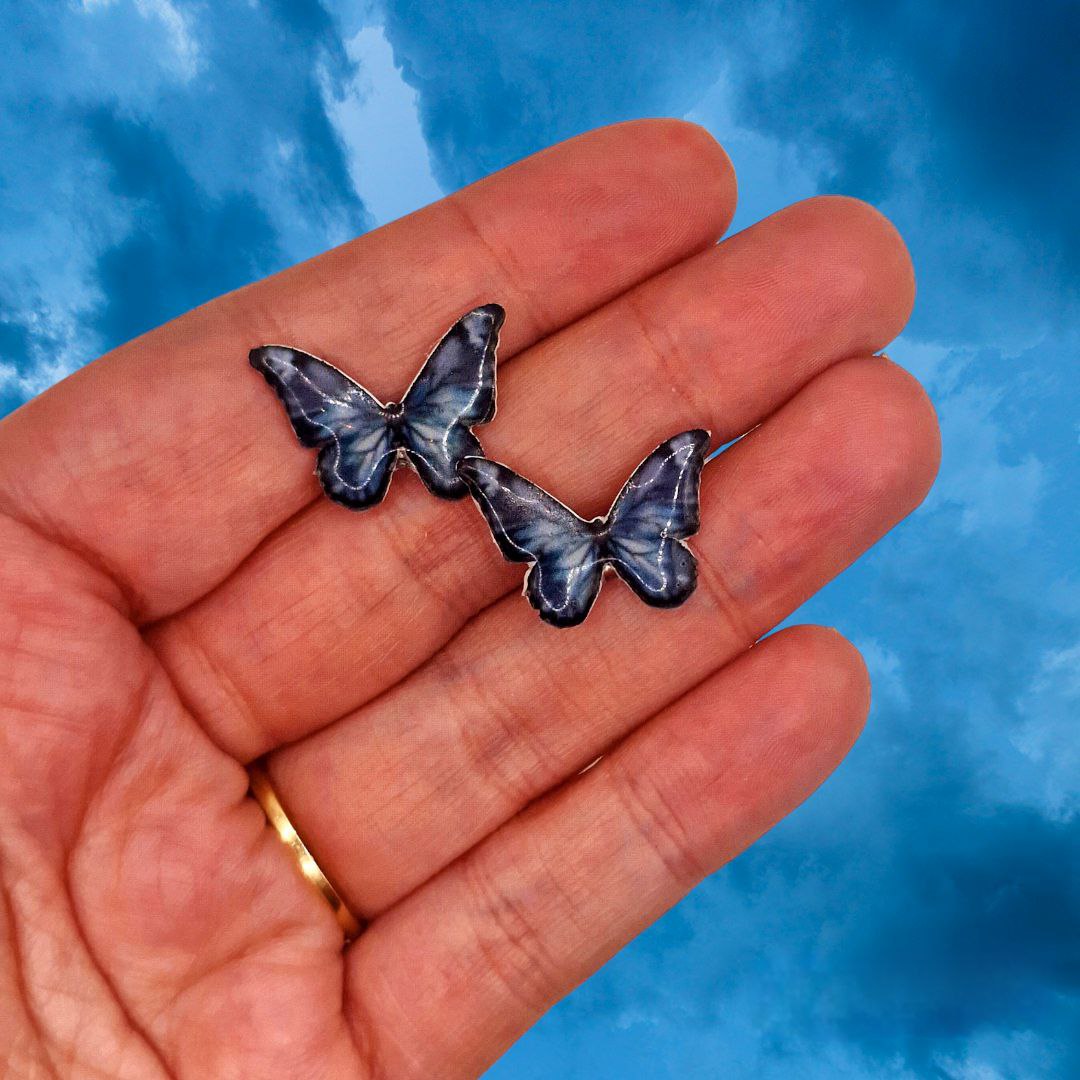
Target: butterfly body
640,538
361,441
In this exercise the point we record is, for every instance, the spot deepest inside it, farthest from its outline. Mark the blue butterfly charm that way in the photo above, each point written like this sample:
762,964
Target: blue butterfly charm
640,538
361,441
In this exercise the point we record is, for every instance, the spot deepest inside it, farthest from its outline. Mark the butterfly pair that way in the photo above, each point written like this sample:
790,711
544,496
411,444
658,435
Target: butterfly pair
361,441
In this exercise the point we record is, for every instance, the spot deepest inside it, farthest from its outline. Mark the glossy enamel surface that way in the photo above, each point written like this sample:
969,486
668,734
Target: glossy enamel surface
361,440
640,538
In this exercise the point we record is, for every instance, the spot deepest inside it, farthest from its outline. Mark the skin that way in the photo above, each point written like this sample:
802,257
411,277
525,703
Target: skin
176,599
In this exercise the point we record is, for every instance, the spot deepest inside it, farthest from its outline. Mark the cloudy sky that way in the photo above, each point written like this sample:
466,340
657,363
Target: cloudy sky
921,915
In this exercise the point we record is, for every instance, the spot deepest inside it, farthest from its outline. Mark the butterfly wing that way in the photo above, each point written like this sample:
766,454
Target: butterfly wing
655,511
454,391
531,526
330,412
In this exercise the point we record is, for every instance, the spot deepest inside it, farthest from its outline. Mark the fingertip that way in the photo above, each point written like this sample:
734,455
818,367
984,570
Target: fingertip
691,169
709,168
922,424
781,718
830,678
862,259
885,446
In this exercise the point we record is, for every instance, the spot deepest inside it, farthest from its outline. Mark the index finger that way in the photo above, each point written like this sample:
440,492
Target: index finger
155,461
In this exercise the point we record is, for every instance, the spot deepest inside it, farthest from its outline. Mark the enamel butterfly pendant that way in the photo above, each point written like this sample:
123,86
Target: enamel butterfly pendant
640,538
361,440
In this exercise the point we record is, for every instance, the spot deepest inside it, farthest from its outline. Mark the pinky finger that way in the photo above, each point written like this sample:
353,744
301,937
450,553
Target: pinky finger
444,982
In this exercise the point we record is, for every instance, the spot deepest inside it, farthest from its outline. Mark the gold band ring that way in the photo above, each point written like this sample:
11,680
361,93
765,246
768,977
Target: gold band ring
266,797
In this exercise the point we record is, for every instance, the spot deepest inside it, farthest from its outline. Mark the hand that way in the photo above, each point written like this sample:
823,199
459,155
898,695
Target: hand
178,599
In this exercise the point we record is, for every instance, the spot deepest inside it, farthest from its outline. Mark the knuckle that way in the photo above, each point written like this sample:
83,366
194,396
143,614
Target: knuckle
725,602
658,825
426,545
497,729
508,939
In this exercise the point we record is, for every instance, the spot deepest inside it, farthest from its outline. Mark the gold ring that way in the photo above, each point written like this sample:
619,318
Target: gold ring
266,797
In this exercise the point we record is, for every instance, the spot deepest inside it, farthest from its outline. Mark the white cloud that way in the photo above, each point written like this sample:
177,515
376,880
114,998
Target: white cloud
58,326
1049,736
931,362
177,26
1032,757
771,173
997,496
1000,1055
48,279
377,120
886,672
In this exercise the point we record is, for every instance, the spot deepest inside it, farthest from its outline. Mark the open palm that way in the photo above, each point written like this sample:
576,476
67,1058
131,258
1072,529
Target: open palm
177,599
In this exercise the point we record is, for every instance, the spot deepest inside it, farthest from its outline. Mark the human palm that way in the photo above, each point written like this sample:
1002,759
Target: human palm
176,600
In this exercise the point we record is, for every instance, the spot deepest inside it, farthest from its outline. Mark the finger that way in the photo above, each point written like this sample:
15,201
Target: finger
333,611
478,955
511,707
163,462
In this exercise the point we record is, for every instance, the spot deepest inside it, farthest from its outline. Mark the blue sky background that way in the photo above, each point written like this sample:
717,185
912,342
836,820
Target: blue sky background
920,917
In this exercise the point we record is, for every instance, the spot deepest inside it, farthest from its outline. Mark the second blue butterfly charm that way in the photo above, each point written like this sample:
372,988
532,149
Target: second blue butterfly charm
361,441
640,538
